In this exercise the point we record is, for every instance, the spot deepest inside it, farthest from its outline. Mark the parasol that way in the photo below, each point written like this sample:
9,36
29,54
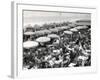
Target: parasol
29,33
53,36
42,32
81,27
43,39
46,31
30,44
53,30
73,30
65,27
59,28
68,32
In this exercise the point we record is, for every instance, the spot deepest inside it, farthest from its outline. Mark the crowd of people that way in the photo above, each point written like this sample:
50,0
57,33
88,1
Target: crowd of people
67,50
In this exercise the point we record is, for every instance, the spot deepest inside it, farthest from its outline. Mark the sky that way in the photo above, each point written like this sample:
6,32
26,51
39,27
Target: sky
41,17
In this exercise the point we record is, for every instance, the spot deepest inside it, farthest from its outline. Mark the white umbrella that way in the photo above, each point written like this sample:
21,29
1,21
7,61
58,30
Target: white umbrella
43,39
42,32
81,27
84,27
54,30
53,36
39,33
65,27
59,28
30,44
45,31
29,33
74,30
68,32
